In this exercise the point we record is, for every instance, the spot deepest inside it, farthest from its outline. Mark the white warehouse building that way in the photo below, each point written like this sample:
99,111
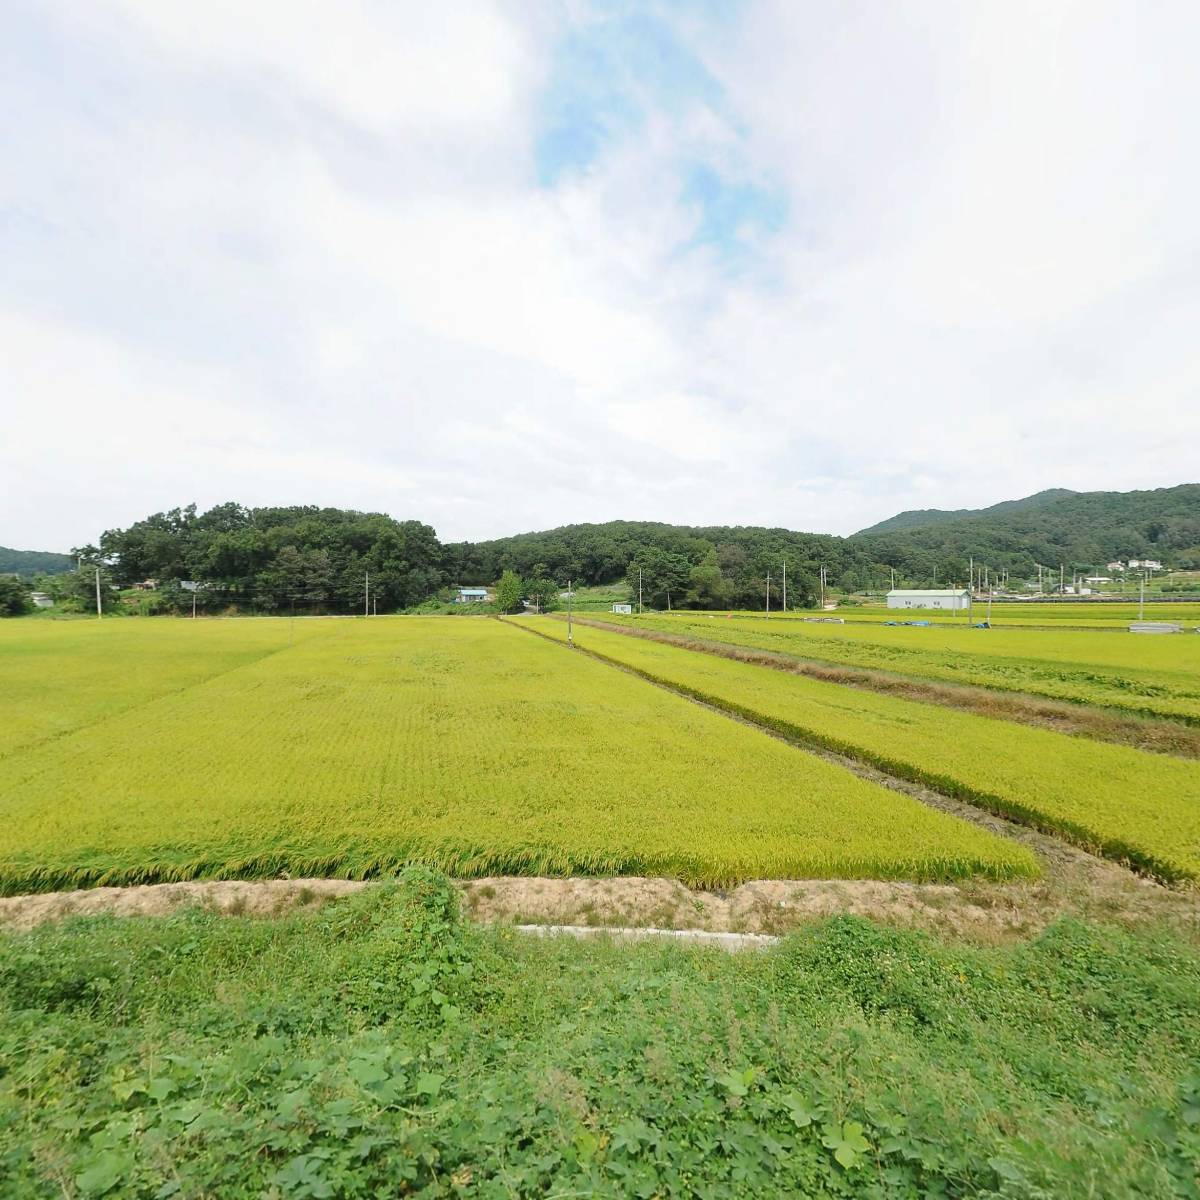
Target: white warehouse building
955,599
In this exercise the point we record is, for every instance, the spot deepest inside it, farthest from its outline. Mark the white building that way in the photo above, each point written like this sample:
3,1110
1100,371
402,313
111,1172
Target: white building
471,595
1145,564
1115,566
622,608
954,599
41,600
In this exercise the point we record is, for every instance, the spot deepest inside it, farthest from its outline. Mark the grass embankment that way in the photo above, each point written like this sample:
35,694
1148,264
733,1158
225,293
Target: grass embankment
1156,676
464,744
1124,803
380,1047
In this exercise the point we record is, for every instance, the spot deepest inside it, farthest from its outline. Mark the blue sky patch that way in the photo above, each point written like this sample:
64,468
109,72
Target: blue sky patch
605,76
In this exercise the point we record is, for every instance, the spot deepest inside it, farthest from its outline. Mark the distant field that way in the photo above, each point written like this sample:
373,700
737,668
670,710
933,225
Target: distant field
1139,673
214,748
1127,803
1084,614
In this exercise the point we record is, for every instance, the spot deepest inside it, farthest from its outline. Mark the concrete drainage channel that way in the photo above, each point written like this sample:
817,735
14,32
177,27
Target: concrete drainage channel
627,933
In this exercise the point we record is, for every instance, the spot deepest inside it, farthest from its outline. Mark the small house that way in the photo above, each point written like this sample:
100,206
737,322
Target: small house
471,595
953,599
41,600
623,608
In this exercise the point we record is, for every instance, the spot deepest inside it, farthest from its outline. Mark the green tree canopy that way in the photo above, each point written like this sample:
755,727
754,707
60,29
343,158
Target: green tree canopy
509,592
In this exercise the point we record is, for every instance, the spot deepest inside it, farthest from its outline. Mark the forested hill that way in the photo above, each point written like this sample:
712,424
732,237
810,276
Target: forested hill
712,565
728,564
33,562
1080,528
324,559
916,517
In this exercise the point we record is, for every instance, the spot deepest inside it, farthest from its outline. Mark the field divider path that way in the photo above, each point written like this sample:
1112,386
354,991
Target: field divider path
1046,843
951,794
1074,718
1129,677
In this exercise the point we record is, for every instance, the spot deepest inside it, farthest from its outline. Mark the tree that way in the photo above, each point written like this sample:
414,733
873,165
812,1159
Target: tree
14,597
509,592
76,590
664,578
706,585
544,593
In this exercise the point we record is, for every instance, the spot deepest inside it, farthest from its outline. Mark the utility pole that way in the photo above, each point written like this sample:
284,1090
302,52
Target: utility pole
375,605
1142,599
972,583
570,635
668,599
1060,579
99,611
193,605
768,595
366,593
639,591
785,585
822,588
893,571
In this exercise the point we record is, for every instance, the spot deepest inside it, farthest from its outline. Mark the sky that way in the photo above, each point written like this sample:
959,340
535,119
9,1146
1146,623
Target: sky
502,266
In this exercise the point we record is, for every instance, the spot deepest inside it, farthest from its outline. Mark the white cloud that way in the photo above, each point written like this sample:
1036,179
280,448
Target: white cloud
380,65
292,253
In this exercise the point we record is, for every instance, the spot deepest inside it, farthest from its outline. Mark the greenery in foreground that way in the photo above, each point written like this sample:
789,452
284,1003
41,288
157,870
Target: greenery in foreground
381,1046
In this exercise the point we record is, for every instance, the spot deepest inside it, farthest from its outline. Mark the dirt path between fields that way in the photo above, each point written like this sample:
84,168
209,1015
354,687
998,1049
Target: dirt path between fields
1074,882
1157,735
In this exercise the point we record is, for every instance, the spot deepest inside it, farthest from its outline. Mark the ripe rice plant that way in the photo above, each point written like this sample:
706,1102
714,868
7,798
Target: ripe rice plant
60,675
1079,614
1121,802
1151,676
465,744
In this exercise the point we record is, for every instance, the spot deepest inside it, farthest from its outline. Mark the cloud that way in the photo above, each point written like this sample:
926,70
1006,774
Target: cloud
501,268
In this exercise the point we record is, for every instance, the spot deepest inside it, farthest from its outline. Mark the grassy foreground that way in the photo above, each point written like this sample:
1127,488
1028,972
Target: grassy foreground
1125,803
380,1047
465,744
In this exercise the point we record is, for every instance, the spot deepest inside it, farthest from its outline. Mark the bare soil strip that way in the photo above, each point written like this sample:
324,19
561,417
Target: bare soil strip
1074,883
1077,720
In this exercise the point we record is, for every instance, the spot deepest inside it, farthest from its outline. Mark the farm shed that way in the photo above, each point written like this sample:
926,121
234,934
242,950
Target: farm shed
622,608
471,595
41,600
955,599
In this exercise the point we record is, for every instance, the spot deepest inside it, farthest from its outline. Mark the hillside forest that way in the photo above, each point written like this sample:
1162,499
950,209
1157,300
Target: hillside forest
307,558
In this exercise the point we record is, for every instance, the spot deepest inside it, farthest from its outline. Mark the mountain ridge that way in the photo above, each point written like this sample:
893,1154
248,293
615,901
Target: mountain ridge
916,518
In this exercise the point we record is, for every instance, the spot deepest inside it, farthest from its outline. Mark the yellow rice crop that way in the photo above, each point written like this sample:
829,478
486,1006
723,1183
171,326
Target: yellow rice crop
464,743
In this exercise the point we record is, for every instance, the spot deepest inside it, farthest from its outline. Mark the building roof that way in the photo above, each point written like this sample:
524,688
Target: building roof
474,591
928,592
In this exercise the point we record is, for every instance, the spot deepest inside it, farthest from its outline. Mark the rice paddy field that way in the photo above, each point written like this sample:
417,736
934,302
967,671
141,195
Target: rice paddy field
150,749
1123,802
1082,614
1143,674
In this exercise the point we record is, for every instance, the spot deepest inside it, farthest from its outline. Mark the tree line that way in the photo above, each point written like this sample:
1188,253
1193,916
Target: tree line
306,558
